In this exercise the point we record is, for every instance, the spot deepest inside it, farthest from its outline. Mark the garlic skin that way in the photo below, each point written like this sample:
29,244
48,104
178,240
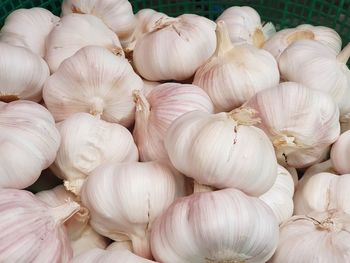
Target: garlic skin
93,81
235,73
294,173
148,86
340,154
212,227
280,196
22,74
88,142
176,48
314,238
76,31
324,167
222,150
245,27
164,104
34,231
283,38
116,14
120,245
301,122
29,142
29,28
124,199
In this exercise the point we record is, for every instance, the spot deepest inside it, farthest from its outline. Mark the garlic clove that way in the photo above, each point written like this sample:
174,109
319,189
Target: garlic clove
340,154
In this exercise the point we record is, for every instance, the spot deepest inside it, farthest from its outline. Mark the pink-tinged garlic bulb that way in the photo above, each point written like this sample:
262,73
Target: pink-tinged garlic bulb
29,143
340,154
86,143
164,104
76,31
148,86
314,238
32,231
29,28
214,227
223,150
124,199
93,81
301,122
235,73
176,48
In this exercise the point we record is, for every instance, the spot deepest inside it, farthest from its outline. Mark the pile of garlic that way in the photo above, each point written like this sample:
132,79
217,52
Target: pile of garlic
177,139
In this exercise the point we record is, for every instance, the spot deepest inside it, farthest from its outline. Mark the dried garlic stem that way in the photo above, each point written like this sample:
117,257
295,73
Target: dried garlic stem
223,41
8,98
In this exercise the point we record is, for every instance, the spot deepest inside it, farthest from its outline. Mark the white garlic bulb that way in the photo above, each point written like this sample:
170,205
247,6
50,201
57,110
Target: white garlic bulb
301,122
213,227
164,104
245,27
283,38
235,73
116,14
280,196
222,150
124,199
322,192
324,167
29,28
314,238
22,74
32,231
29,142
86,143
176,48
340,154
76,31
93,81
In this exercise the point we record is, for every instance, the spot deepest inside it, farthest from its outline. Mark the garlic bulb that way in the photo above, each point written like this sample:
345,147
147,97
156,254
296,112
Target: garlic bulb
154,115
106,256
302,123
148,86
31,231
93,81
280,196
116,14
76,31
235,73
29,28
124,199
324,167
22,74
176,48
88,142
244,26
314,238
222,150
283,38
213,227
322,192
29,142
294,173
340,154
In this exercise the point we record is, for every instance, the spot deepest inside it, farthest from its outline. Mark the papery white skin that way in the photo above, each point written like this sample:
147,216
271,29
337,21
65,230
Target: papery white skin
120,245
93,81
235,73
175,48
244,26
314,238
88,142
148,86
109,256
220,151
294,173
22,74
322,192
324,167
283,38
124,199
280,196
29,142
34,231
301,122
213,227
76,31
29,28
116,14
340,154
164,104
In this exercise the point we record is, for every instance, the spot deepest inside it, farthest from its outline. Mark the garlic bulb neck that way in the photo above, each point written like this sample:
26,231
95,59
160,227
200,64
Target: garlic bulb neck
224,43
344,55
75,186
97,106
63,212
244,116
141,246
8,98
78,224
201,188
142,104
258,38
